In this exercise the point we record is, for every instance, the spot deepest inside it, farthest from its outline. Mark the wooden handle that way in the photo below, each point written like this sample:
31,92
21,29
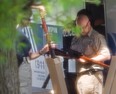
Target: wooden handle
45,28
94,62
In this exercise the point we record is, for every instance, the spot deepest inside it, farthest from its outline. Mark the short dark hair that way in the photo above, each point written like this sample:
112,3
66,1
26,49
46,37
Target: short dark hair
86,13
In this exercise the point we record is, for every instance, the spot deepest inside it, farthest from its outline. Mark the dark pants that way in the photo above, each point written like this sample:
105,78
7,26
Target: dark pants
70,82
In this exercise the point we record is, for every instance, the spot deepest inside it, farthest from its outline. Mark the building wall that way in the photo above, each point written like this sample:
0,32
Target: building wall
110,18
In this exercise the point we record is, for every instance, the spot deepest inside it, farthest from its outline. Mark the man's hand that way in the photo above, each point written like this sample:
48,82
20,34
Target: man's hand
45,49
82,61
41,9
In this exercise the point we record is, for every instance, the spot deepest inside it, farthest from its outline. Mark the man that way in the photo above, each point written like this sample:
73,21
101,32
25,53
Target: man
93,45
26,49
24,55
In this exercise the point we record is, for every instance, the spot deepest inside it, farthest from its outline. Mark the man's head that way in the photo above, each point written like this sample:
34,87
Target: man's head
84,19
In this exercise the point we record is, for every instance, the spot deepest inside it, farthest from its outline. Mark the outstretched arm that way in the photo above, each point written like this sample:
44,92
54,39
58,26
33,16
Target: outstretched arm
44,50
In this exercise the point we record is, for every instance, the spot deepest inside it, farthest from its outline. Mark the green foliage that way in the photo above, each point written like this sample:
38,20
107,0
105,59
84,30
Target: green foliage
69,3
97,2
36,16
9,11
76,30
63,17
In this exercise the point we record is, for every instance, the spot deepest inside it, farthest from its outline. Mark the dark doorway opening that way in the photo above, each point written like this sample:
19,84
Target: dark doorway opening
98,20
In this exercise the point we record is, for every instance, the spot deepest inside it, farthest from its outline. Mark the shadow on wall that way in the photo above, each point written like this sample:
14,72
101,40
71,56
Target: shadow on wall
112,42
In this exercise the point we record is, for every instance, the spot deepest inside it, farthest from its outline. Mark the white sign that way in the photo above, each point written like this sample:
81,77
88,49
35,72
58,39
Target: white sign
40,73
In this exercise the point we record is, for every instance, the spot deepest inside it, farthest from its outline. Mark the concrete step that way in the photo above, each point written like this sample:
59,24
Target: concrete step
40,91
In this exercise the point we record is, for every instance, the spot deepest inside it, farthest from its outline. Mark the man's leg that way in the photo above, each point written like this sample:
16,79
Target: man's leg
25,78
90,83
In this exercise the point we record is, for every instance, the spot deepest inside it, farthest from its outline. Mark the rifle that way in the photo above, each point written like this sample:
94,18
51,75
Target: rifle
77,55
45,29
47,36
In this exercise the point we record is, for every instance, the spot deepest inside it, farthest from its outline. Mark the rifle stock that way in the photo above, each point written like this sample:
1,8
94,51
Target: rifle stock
94,62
